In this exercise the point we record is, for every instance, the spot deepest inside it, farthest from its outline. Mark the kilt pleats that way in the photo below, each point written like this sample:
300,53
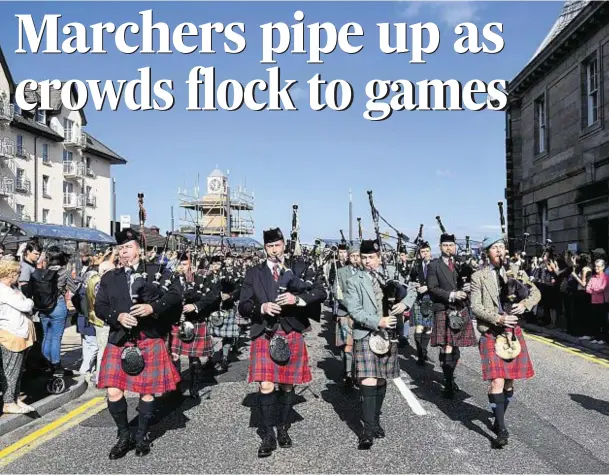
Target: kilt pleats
201,346
494,367
370,365
442,334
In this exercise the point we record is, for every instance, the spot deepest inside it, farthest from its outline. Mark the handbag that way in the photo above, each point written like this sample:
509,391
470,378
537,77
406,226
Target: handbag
456,320
379,342
507,346
132,360
279,349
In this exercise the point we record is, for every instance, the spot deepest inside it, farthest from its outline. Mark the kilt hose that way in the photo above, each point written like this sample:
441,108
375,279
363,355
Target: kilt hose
417,318
201,346
229,328
442,335
494,367
263,368
370,365
159,376
344,332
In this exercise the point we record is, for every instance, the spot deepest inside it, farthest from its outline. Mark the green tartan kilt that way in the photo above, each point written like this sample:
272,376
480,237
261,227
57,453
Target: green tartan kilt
344,331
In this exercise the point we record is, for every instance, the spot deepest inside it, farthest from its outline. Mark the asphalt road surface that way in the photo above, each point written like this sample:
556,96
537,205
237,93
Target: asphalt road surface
558,423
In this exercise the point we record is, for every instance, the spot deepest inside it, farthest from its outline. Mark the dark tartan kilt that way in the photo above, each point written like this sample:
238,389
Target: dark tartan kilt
262,368
344,332
494,367
241,321
370,365
229,328
201,346
442,335
417,318
159,376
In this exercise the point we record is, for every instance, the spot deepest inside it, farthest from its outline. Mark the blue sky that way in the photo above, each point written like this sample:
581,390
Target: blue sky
419,164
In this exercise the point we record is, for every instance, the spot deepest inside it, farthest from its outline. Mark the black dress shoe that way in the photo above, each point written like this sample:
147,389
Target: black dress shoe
269,443
348,383
502,439
379,432
124,445
365,442
283,438
142,449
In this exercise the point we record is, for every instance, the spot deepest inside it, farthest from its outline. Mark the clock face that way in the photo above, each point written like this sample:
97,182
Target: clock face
214,185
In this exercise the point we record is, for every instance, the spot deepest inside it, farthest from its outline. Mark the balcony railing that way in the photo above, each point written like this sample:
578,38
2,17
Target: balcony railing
7,187
22,152
91,200
91,173
7,148
74,138
73,169
73,200
7,111
23,185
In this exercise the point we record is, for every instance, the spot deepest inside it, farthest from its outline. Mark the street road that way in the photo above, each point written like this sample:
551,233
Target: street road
558,423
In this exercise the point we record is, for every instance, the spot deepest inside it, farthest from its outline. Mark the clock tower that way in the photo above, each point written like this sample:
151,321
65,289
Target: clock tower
216,182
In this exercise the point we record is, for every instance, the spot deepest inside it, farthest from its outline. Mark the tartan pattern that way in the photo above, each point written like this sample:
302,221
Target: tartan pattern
229,328
370,365
442,335
344,332
263,368
202,345
241,321
159,376
418,318
494,367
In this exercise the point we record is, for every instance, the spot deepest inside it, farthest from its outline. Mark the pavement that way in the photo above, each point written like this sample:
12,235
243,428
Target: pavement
557,422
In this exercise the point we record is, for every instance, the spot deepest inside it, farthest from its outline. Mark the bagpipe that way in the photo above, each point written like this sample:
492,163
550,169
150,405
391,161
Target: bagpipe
393,290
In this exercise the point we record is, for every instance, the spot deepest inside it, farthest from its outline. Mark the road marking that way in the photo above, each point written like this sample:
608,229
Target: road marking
51,430
411,399
573,351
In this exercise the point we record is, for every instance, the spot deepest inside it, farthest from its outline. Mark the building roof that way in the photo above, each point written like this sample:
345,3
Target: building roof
54,100
7,71
27,123
95,147
570,9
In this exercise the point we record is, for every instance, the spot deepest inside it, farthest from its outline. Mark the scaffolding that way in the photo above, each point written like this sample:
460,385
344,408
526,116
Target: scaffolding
226,212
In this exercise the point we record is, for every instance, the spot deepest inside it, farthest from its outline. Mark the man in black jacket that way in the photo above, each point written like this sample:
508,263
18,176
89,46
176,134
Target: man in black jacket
139,312
278,303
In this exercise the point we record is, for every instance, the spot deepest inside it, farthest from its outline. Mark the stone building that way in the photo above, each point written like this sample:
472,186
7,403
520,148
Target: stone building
557,145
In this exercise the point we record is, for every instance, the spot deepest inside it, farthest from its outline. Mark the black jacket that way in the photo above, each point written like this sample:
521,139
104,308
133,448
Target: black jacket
259,287
114,298
441,281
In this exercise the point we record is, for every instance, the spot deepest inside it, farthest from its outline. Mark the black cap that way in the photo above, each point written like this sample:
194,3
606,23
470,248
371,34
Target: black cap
369,246
343,247
183,257
125,235
424,245
216,259
447,238
272,235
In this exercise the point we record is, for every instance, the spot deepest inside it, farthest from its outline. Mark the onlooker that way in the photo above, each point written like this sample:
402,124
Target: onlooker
598,288
29,260
17,334
580,302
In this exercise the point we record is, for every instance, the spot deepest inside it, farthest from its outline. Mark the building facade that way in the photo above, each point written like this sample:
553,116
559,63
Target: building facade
222,211
557,142
51,170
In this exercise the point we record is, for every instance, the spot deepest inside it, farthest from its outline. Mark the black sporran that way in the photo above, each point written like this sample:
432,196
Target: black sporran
456,320
132,360
279,350
426,307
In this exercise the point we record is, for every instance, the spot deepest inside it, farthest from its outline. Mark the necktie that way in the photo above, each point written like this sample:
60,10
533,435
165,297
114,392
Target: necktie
425,269
276,272
451,265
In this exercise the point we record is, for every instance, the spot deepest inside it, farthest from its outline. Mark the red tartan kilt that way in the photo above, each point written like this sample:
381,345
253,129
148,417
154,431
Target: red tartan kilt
159,376
263,368
442,335
202,345
494,367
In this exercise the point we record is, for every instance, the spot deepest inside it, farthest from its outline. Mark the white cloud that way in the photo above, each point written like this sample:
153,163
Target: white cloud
450,13
444,172
297,93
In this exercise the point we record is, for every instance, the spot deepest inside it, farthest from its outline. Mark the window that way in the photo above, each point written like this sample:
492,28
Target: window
89,220
540,125
591,92
20,149
41,116
68,219
45,185
88,192
543,219
68,125
45,153
68,187
67,156
20,211
45,215
20,174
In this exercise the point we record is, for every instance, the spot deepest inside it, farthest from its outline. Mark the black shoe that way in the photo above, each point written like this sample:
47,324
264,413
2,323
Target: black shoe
365,442
224,364
379,432
124,445
348,383
142,447
283,438
502,439
269,443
